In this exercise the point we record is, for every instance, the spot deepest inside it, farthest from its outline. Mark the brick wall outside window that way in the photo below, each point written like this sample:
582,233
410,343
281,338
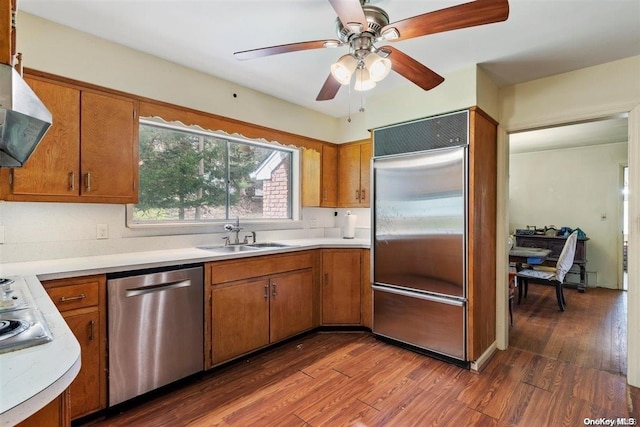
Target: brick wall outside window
275,193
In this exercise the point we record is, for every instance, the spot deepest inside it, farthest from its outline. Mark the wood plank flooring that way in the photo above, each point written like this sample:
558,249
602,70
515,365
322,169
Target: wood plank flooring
560,369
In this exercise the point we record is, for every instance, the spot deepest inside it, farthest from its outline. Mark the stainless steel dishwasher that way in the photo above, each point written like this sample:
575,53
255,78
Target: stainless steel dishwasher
156,329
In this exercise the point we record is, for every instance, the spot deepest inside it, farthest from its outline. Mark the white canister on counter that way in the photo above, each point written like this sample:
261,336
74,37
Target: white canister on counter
349,226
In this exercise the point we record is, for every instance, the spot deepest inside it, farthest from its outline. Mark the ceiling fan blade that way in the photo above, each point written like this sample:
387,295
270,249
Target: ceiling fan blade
478,12
350,12
329,89
284,48
412,70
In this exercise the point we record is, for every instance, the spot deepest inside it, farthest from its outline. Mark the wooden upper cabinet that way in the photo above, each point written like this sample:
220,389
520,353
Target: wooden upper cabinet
109,135
54,167
311,177
354,174
329,189
90,153
319,177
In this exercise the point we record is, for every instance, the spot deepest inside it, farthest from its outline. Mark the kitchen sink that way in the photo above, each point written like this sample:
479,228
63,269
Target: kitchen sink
228,249
244,247
267,245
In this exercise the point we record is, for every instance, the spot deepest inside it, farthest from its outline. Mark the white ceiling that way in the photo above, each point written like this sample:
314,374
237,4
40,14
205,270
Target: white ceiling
540,38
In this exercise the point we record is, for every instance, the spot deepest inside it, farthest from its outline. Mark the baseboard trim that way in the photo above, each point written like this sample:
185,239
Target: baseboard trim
479,364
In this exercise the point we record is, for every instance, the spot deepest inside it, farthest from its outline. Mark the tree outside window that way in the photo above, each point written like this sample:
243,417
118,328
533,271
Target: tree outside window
193,176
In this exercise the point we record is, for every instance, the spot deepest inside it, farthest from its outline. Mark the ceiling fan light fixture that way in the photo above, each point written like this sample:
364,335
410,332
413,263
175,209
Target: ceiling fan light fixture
378,67
344,68
363,80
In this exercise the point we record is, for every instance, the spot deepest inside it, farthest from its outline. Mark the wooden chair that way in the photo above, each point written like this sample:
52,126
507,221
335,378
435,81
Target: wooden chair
550,275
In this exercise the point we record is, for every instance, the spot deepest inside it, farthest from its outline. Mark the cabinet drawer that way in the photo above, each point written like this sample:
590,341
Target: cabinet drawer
74,296
246,268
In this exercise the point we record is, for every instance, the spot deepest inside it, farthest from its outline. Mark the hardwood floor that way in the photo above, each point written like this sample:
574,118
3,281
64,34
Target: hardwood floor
560,369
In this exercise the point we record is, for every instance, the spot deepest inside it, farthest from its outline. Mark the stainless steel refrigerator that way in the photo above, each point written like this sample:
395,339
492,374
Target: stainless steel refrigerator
419,228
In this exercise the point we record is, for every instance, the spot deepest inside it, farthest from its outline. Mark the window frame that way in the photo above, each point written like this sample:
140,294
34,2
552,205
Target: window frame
199,226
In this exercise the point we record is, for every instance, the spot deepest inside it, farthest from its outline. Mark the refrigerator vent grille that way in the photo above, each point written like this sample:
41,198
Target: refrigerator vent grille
450,130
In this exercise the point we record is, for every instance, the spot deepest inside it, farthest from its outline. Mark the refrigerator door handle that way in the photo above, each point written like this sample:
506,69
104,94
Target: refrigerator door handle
427,297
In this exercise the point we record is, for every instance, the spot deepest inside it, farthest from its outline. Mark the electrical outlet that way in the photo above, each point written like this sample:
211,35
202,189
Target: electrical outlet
313,223
102,231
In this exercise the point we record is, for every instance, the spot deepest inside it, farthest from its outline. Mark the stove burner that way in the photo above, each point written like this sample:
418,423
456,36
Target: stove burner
4,281
10,328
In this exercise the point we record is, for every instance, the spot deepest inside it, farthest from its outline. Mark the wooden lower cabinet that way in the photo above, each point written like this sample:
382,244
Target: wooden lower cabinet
55,414
341,286
291,304
82,303
252,312
240,318
366,292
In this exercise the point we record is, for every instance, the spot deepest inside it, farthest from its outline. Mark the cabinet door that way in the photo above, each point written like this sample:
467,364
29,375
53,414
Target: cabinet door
240,312
55,414
329,194
311,172
53,168
109,147
349,176
85,388
341,286
365,175
291,304
366,291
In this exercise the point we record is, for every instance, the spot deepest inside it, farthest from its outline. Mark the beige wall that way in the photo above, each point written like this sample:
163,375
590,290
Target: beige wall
573,187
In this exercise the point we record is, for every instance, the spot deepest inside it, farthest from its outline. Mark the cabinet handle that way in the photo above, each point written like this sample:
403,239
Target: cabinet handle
362,197
72,180
273,290
358,195
87,181
326,278
75,298
91,325
266,291
324,194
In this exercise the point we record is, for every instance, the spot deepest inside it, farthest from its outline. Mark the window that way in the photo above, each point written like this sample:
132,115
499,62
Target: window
192,176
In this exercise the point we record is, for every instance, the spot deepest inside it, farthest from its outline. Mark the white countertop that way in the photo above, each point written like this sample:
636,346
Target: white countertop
32,377
83,266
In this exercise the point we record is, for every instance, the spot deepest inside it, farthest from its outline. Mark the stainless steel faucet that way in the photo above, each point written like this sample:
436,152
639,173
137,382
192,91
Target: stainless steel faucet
234,228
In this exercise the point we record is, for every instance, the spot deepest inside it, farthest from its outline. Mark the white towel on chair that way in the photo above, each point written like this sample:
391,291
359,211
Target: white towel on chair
547,275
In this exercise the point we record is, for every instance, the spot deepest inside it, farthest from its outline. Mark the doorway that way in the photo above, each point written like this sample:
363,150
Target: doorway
562,176
624,244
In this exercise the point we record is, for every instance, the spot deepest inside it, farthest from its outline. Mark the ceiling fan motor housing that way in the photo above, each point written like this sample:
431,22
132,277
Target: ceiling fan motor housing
376,19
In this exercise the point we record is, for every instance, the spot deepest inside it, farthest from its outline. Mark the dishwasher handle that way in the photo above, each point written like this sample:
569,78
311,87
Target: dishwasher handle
134,292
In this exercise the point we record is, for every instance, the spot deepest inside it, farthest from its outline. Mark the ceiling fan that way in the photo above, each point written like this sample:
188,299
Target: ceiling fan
361,25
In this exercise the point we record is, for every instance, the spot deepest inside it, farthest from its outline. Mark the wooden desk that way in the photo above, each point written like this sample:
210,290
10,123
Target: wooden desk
528,255
555,244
